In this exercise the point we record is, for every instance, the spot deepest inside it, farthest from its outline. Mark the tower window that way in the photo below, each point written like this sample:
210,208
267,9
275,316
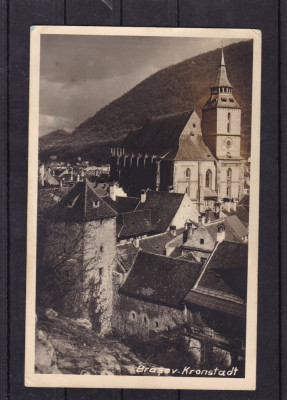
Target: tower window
208,179
228,182
228,122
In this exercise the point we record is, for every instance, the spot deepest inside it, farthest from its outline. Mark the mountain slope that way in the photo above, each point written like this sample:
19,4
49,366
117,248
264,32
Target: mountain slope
176,88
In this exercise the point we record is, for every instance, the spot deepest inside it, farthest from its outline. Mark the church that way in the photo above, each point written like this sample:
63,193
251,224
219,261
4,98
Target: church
180,153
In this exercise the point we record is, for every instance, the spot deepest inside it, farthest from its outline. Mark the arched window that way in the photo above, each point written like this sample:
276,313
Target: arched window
228,182
187,173
228,122
208,179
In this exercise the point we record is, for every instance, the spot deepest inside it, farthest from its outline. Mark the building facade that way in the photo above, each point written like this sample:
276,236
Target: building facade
182,154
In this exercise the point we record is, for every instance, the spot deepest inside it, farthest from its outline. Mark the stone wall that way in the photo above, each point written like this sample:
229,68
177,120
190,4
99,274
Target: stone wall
75,270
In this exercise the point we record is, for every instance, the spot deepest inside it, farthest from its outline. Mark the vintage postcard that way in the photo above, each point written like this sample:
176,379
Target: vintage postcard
142,253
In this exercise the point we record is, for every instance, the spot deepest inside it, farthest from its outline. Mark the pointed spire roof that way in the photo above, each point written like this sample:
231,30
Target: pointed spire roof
81,204
221,78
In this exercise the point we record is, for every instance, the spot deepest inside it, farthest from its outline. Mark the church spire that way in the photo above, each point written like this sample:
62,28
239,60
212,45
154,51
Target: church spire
222,57
221,78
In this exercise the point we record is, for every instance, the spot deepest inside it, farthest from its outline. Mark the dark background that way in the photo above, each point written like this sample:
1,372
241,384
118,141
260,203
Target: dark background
16,18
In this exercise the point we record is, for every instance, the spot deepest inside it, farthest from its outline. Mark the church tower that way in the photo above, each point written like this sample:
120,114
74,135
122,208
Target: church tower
221,129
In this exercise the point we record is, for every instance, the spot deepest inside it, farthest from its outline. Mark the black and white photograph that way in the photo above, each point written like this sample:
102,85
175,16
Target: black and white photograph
143,199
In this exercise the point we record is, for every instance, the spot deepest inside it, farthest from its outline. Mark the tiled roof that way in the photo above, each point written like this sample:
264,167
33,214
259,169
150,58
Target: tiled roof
126,254
216,303
122,204
237,226
134,223
156,244
161,136
81,204
244,201
163,206
243,214
160,279
229,255
230,235
208,193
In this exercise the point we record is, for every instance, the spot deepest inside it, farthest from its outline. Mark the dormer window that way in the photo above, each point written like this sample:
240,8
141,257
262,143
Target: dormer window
96,204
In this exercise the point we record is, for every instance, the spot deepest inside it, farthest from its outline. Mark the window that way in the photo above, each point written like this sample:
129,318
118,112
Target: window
96,204
228,122
156,324
228,143
145,320
203,259
201,241
208,178
194,125
228,182
224,100
101,249
187,173
133,315
100,271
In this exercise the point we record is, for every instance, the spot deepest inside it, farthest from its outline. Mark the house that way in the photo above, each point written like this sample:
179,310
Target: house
220,291
168,209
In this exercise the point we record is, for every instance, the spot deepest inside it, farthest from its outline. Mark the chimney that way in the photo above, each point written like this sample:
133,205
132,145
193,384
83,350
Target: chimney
220,233
173,230
233,205
188,232
113,192
227,205
143,196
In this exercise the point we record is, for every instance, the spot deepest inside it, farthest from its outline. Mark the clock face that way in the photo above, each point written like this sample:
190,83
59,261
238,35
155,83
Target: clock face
228,143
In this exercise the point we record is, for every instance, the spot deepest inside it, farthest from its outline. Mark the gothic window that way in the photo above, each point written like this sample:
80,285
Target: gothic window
228,182
187,173
228,122
208,179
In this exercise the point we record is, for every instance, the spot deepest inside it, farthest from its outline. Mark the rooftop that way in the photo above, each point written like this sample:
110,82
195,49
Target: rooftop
82,203
160,279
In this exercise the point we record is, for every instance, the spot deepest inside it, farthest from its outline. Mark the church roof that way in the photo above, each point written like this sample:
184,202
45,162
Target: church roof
160,279
161,136
82,203
221,77
163,206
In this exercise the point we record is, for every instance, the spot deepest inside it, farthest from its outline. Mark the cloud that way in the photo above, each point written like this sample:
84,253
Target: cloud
49,123
81,74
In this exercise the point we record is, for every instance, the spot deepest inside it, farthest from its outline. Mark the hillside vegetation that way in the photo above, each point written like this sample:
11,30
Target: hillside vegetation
180,87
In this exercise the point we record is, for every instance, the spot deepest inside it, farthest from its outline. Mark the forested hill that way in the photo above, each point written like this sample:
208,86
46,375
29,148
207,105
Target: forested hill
180,87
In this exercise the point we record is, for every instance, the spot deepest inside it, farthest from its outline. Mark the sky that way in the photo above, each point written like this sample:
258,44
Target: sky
81,74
